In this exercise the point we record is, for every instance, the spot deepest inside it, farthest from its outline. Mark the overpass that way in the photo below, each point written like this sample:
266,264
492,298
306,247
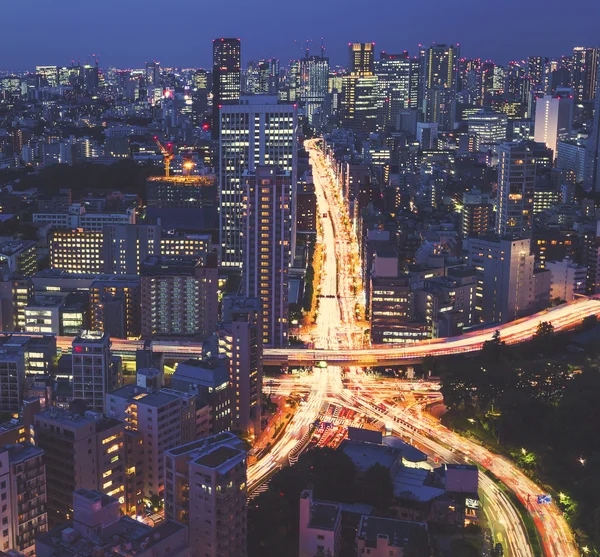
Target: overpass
564,317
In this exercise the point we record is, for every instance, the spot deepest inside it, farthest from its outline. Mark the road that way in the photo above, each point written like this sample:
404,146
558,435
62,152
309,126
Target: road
361,393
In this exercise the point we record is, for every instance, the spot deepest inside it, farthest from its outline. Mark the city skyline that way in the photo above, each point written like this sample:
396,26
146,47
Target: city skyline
124,42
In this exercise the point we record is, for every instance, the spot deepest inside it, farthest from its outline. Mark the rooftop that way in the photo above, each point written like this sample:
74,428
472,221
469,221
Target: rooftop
143,396
396,531
21,452
324,516
365,455
218,456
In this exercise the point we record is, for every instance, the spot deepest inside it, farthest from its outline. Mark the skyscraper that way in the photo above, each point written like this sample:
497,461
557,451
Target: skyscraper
592,153
584,72
226,76
554,118
397,86
440,66
255,132
516,181
267,253
359,89
535,71
314,75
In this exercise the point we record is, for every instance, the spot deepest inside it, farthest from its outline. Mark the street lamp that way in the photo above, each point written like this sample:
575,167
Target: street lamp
523,451
581,461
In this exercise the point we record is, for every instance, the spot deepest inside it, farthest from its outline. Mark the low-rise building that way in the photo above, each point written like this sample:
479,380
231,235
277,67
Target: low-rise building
98,529
320,527
385,537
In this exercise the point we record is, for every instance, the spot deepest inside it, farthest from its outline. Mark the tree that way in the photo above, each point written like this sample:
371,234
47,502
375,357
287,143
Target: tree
417,544
377,488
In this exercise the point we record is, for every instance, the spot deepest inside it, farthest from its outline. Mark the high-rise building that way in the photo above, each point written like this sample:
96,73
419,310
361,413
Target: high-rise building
240,340
179,296
477,214
209,380
227,67
153,75
397,86
77,251
115,303
215,508
516,183
314,76
554,118
125,247
23,497
592,153
489,129
163,421
584,72
535,71
94,372
79,452
255,132
267,235
440,74
359,89
19,257
508,286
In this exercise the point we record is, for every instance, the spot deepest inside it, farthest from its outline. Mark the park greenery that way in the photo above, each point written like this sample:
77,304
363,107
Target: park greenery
538,404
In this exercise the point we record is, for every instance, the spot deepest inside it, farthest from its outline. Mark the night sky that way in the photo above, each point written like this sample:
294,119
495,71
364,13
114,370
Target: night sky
126,33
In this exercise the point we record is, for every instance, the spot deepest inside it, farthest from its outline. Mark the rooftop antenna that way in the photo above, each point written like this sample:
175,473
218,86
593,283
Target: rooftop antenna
307,48
322,49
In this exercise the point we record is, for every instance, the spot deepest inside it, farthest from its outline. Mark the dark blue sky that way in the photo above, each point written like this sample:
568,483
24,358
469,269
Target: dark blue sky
179,32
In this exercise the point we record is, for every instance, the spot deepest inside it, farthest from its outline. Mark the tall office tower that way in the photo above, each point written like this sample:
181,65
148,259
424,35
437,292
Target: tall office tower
163,421
94,372
554,118
516,182
240,340
508,287
397,86
256,132
314,76
79,452
361,59
535,71
489,129
23,495
592,153
226,76
152,74
125,247
179,296
440,66
77,251
267,238
215,508
359,89
47,75
584,72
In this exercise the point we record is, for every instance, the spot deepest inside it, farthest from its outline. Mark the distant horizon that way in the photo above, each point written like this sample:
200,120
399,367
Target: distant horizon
128,34
284,62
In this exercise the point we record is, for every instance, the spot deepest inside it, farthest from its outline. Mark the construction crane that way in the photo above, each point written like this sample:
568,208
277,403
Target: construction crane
167,153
